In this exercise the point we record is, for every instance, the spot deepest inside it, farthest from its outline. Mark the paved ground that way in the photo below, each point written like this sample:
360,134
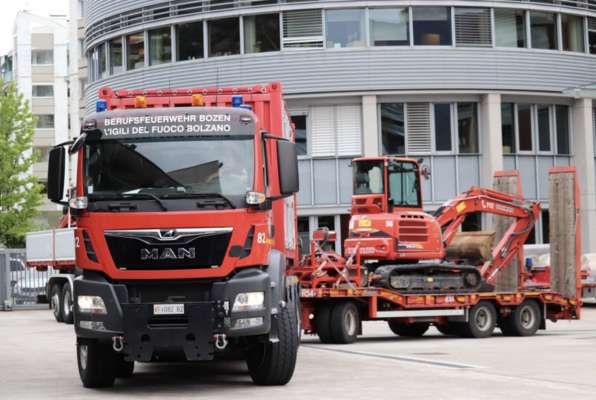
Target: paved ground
37,360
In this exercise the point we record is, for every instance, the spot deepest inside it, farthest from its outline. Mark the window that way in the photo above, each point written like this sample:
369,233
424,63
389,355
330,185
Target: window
572,32
545,226
543,30
45,121
389,27
135,51
302,29
393,135
115,56
335,130
160,46
224,37
562,117
473,27
344,28
472,222
43,153
261,33
189,41
403,184
543,118
524,115
442,127
299,122
304,235
467,127
510,28
327,221
592,35
432,26
508,127
42,90
102,61
42,57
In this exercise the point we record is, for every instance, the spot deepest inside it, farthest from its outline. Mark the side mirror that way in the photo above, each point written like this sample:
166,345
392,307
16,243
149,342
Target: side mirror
287,160
56,169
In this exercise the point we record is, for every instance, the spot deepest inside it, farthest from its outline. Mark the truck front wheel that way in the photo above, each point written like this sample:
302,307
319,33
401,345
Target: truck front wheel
97,363
272,363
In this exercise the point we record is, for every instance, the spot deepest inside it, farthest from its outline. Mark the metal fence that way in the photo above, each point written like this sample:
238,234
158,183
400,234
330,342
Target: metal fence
21,287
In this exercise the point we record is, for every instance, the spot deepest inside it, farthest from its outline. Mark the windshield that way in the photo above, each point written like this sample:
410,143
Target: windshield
368,177
169,168
403,184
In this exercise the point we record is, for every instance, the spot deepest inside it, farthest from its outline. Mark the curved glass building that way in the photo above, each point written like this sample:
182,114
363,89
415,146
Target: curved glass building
468,86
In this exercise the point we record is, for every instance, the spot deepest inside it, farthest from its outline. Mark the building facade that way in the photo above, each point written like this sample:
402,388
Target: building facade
470,87
38,63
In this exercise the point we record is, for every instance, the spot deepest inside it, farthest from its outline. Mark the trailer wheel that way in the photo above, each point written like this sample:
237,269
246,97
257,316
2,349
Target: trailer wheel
481,322
66,304
273,363
124,369
97,363
524,320
345,323
416,329
323,322
55,303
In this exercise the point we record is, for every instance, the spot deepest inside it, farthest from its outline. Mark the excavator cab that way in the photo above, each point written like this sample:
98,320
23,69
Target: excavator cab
387,220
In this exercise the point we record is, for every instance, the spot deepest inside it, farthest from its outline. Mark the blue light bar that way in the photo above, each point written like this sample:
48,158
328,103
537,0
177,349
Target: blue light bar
237,101
101,105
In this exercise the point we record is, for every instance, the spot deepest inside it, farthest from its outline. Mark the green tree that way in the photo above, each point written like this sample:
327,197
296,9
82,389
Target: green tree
20,192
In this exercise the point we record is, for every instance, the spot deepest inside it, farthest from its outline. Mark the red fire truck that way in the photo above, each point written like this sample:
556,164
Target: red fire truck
184,227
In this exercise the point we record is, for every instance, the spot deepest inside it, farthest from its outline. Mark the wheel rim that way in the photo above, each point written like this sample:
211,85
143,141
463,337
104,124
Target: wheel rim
483,319
55,304
350,322
83,355
527,318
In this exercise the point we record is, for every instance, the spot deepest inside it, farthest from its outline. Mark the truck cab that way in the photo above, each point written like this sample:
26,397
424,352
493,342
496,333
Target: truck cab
184,213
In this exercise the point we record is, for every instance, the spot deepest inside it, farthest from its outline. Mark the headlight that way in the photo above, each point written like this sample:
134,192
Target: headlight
249,301
91,305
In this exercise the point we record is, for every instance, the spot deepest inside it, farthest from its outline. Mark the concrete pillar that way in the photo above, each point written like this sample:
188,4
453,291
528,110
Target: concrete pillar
583,150
491,138
370,127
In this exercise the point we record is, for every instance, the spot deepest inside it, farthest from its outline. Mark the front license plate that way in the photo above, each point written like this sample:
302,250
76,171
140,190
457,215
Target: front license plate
168,309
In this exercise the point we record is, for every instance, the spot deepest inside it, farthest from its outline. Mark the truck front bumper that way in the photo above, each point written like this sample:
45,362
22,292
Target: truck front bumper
191,332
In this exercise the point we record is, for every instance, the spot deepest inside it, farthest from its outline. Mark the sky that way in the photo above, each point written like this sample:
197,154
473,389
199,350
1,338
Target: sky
9,9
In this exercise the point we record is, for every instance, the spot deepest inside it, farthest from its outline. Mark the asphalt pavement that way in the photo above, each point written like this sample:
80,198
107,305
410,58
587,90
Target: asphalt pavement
37,361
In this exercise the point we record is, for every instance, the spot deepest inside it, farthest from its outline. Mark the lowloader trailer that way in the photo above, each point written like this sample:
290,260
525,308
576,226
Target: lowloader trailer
183,224
414,270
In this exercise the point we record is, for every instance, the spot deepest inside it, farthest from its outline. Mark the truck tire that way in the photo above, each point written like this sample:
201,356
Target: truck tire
450,329
97,363
323,322
482,320
124,369
56,303
524,320
416,329
66,304
270,363
345,323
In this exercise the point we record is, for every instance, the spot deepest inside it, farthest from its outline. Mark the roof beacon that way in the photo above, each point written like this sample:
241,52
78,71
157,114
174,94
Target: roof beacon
101,106
237,101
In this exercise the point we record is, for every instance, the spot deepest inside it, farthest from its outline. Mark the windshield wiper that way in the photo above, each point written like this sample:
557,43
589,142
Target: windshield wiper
145,194
205,196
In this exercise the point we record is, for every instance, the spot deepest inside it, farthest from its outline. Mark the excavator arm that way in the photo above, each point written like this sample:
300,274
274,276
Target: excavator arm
451,215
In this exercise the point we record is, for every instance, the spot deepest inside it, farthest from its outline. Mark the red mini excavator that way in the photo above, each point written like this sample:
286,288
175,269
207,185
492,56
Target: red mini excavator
409,250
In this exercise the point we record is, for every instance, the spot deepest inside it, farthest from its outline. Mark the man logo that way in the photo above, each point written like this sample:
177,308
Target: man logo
167,253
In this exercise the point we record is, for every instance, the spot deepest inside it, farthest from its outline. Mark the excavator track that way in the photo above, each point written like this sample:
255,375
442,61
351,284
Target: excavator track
429,278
